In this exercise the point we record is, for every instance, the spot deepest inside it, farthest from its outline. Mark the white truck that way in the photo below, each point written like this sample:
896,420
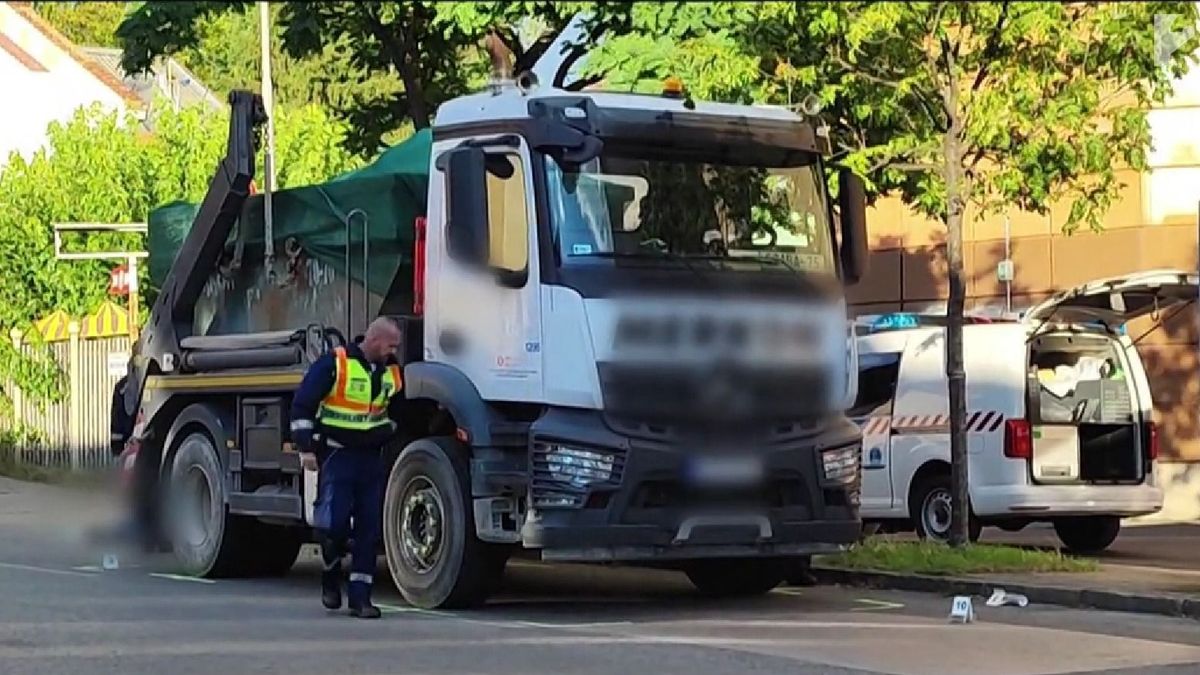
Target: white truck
1059,415
591,375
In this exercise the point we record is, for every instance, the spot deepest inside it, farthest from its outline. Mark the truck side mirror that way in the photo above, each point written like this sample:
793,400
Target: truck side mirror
467,209
852,207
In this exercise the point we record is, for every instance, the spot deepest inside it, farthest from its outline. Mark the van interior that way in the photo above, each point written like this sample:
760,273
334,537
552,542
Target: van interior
1086,423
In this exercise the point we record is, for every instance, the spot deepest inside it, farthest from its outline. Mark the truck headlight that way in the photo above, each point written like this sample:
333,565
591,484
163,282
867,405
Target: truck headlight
577,466
840,464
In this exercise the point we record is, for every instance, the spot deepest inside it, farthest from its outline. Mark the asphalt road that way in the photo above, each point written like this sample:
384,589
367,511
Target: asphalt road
1173,546
61,613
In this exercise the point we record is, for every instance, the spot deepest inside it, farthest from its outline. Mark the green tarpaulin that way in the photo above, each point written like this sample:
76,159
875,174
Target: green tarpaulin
390,193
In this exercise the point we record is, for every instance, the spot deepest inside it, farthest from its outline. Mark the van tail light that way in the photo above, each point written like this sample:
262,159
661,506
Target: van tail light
1018,439
419,267
1152,443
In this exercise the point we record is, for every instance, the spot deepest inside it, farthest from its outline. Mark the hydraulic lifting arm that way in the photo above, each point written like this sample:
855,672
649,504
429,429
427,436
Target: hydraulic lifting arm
158,348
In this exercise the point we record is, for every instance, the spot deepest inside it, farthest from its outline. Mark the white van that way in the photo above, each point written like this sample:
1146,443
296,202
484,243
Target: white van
1059,425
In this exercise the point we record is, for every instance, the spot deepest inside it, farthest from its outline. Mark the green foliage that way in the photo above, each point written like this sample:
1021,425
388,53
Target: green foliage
91,24
382,67
101,168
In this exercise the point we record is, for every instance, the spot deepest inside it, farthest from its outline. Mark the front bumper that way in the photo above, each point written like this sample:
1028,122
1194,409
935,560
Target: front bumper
652,506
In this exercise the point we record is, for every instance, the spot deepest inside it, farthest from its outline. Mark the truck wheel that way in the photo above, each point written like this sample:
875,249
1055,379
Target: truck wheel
726,578
207,540
930,506
1088,535
429,537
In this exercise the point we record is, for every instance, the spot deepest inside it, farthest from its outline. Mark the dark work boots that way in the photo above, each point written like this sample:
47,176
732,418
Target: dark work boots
360,597
331,588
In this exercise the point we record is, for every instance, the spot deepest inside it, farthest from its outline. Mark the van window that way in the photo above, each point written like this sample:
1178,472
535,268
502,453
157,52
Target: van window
877,375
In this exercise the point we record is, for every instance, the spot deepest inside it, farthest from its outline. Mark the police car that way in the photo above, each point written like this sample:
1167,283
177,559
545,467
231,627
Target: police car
1059,414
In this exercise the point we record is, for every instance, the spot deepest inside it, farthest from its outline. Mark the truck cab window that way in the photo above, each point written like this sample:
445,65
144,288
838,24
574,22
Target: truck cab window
877,374
508,212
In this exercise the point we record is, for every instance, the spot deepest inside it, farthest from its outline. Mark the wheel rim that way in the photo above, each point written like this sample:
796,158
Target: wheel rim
936,513
422,525
196,511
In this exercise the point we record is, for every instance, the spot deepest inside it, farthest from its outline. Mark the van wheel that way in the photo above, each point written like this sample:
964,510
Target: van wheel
727,578
1088,535
930,507
207,540
434,556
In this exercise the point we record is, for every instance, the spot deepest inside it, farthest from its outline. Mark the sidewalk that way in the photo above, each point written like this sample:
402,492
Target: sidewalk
1114,588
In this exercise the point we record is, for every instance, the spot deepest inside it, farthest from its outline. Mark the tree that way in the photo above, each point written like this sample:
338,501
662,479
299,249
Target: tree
949,105
91,24
395,62
99,167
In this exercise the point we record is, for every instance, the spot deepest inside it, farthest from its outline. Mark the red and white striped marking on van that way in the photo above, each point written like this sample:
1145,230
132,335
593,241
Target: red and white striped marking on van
978,422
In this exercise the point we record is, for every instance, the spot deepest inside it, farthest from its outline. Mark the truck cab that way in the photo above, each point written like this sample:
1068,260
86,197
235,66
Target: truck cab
628,344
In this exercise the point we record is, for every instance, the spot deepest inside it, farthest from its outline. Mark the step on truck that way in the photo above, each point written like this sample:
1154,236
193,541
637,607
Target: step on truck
624,342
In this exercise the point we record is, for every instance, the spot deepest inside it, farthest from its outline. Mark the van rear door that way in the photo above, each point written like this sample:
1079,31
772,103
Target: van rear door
1116,301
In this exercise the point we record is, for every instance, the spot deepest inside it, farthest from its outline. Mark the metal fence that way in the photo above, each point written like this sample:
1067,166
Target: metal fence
74,432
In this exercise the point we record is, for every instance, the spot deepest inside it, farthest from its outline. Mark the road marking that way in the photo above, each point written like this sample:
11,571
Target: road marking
789,591
592,624
876,605
45,570
180,577
87,568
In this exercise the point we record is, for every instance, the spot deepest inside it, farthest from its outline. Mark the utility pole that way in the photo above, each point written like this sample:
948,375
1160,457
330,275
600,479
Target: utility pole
268,97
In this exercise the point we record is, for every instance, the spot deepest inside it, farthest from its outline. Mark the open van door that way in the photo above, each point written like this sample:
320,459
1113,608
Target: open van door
1118,300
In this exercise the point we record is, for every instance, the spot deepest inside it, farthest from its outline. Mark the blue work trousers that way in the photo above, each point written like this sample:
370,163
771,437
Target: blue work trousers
350,508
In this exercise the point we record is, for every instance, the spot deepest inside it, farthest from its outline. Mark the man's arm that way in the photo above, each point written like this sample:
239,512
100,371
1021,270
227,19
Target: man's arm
317,383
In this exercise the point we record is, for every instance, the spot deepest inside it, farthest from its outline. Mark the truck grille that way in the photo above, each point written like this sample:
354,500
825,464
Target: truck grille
722,395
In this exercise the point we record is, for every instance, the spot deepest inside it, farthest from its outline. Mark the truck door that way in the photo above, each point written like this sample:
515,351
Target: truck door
489,330
872,411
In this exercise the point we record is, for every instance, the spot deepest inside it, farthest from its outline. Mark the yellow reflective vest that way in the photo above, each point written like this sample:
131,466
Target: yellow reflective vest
349,404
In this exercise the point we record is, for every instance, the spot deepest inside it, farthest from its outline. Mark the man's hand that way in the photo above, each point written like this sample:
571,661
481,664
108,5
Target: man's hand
308,460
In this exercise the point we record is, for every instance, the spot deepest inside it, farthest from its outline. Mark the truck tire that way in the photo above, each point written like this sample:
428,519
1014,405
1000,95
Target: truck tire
1091,534
434,556
206,539
929,508
741,577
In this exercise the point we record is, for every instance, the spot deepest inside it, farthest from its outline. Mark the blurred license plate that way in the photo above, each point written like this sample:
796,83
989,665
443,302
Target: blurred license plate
725,470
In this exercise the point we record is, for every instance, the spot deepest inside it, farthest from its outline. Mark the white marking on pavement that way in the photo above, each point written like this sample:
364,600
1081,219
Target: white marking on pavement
876,605
87,568
45,570
181,577
788,591
591,624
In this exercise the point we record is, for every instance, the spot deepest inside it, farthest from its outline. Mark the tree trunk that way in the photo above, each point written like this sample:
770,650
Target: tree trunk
955,375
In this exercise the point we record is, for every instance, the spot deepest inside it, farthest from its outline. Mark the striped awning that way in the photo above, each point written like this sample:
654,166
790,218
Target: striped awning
109,320
54,327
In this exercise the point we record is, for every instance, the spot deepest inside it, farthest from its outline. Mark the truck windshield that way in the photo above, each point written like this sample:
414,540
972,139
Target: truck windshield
624,205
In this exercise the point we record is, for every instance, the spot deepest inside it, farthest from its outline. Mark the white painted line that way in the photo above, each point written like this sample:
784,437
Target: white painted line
876,605
181,577
44,570
87,568
593,624
788,591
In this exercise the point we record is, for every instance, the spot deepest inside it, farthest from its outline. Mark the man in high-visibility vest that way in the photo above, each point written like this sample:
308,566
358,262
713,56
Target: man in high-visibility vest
340,423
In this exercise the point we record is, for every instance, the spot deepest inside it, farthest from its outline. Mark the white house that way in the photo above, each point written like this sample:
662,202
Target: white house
47,78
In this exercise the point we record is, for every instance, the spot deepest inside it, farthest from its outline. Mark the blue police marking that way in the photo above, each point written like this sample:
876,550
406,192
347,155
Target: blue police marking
875,458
